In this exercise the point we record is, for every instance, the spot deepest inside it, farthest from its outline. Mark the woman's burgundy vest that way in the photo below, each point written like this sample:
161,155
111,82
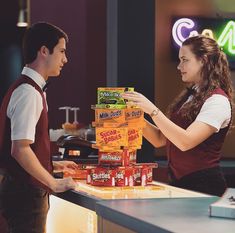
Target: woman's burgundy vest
41,145
205,155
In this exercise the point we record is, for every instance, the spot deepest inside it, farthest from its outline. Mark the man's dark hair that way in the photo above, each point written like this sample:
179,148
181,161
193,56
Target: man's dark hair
38,35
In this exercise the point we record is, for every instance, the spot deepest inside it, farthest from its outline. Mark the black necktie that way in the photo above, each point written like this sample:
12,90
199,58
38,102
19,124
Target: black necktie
45,86
191,91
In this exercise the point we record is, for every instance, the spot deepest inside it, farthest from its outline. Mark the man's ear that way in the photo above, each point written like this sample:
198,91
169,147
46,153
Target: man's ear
44,50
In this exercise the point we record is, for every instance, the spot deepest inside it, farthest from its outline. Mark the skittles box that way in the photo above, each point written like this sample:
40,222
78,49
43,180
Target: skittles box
101,176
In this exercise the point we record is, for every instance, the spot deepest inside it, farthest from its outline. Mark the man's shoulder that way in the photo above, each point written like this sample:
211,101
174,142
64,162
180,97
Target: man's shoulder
27,91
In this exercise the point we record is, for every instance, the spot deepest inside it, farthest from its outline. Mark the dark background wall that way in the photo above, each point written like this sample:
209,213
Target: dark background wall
10,46
135,56
85,23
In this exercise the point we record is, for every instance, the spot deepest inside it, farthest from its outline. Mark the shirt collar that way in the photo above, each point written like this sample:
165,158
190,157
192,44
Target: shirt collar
196,88
34,75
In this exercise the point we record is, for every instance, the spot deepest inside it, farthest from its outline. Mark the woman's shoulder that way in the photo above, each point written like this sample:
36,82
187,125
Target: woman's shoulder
218,91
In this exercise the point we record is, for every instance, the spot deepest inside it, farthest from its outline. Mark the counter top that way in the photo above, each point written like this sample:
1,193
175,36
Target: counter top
166,210
179,215
87,196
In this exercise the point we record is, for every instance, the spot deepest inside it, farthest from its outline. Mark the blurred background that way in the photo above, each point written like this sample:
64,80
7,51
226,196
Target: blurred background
111,43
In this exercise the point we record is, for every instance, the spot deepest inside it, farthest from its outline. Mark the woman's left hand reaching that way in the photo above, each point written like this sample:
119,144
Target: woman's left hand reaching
139,100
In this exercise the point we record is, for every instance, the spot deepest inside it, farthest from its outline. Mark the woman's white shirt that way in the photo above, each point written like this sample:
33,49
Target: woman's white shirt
216,112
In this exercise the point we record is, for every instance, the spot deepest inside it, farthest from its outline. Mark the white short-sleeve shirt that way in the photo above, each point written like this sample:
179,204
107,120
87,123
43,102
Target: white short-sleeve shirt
216,112
25,107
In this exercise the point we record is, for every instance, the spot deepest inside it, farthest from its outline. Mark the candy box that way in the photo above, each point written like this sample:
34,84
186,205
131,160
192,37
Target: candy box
134,115
132,155
110,106
147,170
137,175
80,172
102,176
124,176
115,157
109,124
135,138
117,137
114,137
116,115
111,95
109,115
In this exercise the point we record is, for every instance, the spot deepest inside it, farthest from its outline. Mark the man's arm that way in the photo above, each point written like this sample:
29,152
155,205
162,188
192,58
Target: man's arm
26,158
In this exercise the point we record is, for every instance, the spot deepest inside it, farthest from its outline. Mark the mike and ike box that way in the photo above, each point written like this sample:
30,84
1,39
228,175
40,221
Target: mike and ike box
110,96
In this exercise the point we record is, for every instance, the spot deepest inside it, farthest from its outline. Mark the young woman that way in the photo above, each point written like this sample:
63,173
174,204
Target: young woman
198,119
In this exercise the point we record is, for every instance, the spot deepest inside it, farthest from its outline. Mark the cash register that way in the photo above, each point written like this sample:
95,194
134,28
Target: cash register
77,149
76,143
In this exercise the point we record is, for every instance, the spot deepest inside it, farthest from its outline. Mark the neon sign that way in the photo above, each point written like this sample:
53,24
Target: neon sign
178,27
223,31
228,36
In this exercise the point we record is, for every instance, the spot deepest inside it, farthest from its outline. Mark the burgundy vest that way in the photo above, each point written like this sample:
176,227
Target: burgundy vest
41,145
203,156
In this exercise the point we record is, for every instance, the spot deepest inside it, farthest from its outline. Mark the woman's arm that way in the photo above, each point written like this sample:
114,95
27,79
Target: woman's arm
154,135
184,139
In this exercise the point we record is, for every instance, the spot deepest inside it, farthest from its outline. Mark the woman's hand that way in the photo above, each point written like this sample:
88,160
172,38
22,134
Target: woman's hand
139,100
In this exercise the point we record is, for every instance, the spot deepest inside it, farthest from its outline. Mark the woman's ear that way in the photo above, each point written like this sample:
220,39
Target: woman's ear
204,59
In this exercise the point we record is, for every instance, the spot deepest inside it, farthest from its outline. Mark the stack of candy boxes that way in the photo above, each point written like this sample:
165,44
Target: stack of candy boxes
119,130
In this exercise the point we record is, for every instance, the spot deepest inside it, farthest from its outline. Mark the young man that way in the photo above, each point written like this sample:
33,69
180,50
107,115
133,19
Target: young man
25,163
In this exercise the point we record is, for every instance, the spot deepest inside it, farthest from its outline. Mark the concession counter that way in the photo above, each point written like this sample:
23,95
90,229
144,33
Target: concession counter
156,207
114,192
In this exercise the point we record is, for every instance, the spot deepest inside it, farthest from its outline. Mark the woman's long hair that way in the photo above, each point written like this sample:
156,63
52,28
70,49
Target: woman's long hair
215,74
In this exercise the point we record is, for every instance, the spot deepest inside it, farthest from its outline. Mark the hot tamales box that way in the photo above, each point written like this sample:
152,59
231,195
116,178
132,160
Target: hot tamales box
116,157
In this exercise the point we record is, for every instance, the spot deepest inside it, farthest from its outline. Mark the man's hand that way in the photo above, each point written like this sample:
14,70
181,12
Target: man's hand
62,185
65,165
